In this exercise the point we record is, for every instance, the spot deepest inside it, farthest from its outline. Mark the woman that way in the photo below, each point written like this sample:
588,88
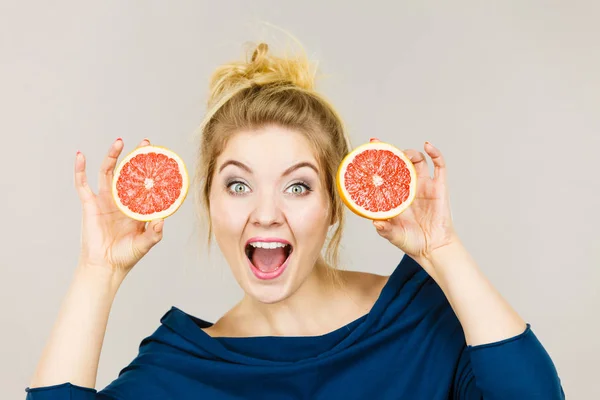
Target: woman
434,329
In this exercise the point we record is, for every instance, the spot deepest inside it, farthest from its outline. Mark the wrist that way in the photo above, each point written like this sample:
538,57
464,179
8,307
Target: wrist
438,256
103,278
445,259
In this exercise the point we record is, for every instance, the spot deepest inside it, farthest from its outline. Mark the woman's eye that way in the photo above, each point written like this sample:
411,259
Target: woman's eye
299,189
237,187
240,188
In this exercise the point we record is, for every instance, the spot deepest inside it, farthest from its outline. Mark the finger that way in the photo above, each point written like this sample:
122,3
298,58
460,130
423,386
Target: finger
108,165
383,228
419,161
150,237
439,163
107,168
81,183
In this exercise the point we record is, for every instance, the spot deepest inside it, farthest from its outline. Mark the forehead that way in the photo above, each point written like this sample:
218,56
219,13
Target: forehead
270,146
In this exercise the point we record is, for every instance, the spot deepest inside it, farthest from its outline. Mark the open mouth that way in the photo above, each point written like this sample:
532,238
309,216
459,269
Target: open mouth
268,258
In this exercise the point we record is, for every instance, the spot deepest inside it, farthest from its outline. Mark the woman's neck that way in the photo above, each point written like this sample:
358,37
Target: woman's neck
320,305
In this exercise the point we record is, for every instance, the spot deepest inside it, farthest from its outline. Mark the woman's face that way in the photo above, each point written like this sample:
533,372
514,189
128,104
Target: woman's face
269,211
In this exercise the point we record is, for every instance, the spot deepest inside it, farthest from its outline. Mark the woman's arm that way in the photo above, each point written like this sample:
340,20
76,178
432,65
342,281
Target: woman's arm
111,245
503,359
73,350
483,313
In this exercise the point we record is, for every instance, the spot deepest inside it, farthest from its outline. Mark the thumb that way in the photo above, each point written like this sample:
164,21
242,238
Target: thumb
151,236
383,228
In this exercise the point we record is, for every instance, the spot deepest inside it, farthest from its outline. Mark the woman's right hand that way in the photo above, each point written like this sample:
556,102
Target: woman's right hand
110,240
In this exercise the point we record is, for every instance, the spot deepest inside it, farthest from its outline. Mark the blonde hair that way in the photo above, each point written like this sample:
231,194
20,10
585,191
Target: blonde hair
270,90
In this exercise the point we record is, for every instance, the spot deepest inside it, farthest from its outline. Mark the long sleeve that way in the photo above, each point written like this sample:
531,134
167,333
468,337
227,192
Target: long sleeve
62,392
515,368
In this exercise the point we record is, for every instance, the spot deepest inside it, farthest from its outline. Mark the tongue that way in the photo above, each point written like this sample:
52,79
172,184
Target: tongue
268,260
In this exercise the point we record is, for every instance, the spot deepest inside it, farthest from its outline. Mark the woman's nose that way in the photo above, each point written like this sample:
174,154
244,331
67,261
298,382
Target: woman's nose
267,211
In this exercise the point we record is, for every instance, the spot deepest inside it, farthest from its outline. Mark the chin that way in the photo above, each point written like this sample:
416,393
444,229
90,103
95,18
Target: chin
276,287
270,295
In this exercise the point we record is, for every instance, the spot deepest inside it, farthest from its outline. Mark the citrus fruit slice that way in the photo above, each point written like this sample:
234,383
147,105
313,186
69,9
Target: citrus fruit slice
151,182
376,180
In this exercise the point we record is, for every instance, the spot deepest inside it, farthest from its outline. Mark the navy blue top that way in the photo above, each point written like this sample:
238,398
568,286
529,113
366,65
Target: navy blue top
409,346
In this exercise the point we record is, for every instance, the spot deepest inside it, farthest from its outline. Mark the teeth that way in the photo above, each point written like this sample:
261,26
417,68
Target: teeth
270,245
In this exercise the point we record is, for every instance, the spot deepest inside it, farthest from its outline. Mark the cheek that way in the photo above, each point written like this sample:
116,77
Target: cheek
308,219
227,215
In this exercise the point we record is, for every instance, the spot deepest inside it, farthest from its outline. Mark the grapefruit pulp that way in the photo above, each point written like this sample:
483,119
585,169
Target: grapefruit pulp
376,180
151,182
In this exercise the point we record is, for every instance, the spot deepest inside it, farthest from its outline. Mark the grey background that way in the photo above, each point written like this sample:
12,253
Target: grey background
509,91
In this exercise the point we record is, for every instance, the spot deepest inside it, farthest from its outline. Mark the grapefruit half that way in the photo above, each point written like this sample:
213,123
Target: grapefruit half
151,182
376,180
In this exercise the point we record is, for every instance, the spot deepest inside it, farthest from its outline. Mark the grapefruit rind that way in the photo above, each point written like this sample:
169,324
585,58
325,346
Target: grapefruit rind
357,209
158,215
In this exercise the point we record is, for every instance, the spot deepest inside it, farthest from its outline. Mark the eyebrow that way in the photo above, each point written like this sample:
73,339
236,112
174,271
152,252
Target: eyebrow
286,172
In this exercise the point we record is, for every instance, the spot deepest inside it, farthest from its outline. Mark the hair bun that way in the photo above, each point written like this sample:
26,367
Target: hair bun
262,69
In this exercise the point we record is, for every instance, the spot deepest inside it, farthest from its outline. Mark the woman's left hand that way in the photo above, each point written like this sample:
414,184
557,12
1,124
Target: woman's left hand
426,225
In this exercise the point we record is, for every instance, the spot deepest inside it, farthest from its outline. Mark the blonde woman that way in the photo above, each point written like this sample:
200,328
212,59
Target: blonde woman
270,146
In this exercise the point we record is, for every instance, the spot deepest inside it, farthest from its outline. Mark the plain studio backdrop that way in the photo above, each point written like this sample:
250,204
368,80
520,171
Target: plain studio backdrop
509,91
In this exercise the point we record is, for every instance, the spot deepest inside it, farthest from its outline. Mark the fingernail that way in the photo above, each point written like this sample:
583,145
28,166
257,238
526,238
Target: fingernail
158,226
119,138
78,155
429,143
379,227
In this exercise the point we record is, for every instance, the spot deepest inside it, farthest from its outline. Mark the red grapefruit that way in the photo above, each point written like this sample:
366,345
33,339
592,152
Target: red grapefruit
151,182
377,181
